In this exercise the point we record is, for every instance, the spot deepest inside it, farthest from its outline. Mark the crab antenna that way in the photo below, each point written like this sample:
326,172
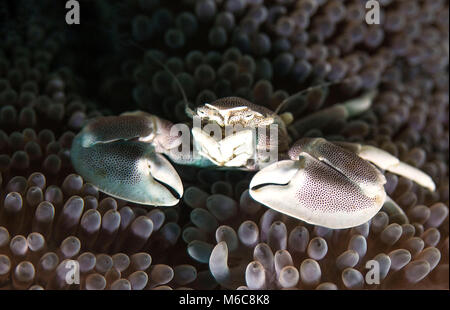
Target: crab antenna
285,101
188,110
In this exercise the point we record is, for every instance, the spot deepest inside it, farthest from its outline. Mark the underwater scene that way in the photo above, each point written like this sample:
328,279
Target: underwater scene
224,145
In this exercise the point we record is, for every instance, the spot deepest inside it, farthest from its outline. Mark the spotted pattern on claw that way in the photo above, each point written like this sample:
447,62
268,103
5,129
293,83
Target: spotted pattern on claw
122,163
353,167
312,191
126,168
125,127
322,184
325,190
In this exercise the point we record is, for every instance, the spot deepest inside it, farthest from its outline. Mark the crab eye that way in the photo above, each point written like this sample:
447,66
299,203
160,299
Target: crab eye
201,113
248,116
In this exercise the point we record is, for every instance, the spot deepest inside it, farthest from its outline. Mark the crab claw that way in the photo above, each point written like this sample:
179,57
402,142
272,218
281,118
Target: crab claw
314,191
127,169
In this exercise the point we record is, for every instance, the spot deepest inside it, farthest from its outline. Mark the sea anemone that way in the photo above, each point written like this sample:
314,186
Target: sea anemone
248,246
218,236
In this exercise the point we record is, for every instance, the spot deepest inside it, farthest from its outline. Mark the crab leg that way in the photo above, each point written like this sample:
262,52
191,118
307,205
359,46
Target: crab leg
332,115
388,162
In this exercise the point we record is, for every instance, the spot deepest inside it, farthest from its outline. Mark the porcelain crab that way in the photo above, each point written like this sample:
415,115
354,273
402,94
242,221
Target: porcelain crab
331,184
